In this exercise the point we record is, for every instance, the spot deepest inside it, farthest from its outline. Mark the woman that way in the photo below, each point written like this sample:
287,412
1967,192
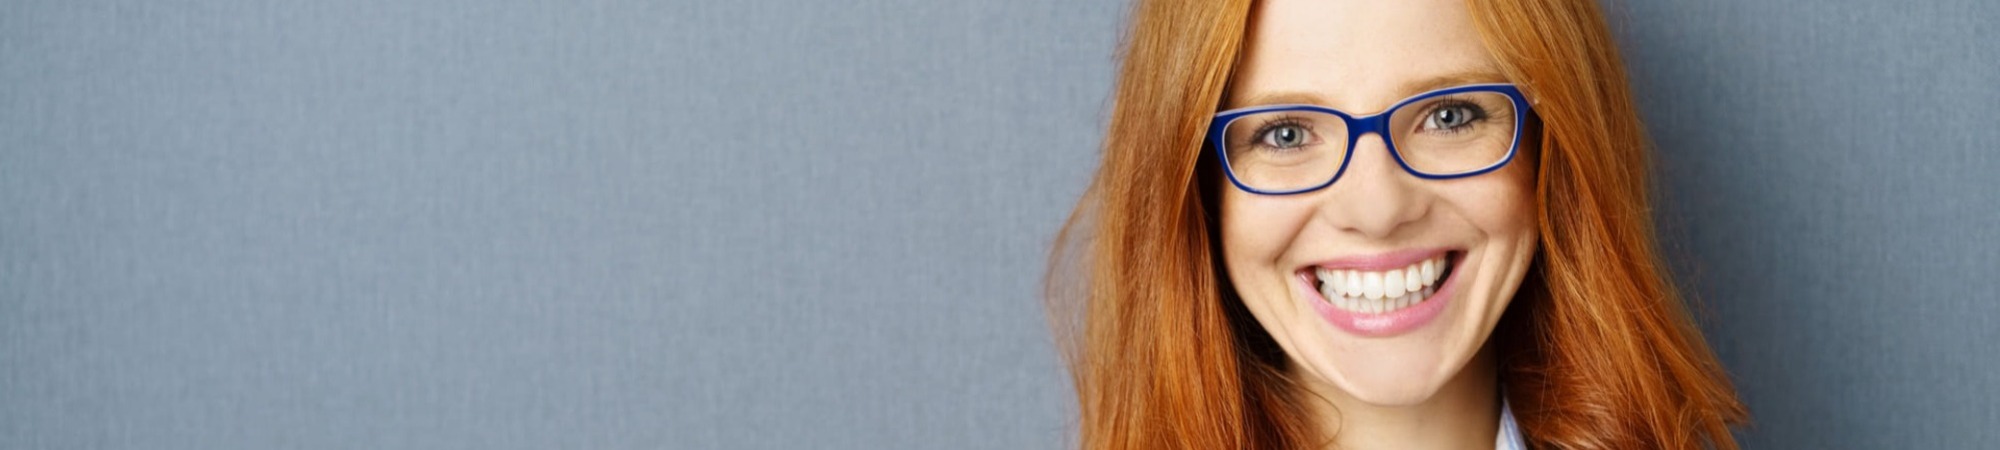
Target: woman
1386,224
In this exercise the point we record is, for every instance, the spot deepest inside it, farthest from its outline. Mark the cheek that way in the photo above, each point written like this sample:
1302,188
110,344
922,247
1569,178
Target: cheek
1502,204
1253,232
1257,233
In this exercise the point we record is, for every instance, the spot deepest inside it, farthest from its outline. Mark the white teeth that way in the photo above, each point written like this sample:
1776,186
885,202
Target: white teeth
1392,285
1380,292
1371,285
1341,284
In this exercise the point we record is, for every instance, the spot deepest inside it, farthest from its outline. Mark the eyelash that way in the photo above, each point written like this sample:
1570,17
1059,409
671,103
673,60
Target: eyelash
1479,113
1264,129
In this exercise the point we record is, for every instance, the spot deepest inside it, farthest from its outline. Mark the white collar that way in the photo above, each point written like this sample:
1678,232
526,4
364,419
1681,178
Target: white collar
1510,432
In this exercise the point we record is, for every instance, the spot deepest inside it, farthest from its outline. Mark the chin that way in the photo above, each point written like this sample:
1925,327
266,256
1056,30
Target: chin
1390,372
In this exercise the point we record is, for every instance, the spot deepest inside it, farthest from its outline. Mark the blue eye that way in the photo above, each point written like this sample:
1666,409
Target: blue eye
1287,137
1452,116
1284,136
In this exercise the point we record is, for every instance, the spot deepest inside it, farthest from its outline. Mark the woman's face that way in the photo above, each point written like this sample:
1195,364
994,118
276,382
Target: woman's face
1474,235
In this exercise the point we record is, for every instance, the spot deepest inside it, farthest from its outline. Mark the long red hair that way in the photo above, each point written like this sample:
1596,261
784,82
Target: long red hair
1597,349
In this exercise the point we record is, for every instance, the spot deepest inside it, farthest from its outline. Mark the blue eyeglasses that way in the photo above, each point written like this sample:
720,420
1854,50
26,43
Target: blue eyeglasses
1447,133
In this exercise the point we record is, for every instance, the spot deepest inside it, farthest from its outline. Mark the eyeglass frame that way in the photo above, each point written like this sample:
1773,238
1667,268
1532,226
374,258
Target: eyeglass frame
1378,124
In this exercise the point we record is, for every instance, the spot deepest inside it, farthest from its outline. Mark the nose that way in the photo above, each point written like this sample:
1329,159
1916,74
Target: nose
1374,197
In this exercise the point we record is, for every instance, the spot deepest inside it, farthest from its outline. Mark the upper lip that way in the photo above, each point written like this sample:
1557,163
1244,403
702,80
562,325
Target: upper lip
1380,261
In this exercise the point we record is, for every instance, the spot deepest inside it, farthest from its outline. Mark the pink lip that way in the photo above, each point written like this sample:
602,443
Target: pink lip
1378,262
1386,324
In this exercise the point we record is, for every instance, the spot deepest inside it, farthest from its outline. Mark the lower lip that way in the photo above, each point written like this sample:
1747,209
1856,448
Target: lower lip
1385,324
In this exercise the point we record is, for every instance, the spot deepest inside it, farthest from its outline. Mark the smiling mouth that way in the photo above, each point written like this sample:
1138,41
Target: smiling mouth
1373,292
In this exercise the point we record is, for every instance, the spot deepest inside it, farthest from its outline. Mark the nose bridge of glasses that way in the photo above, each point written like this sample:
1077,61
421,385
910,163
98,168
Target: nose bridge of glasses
1360,128
1370,155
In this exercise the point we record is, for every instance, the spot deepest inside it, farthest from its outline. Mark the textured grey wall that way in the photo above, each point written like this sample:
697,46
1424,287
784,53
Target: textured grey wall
1830,173
629,224
493,224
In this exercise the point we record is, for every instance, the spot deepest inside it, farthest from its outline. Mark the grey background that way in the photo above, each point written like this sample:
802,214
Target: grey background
630,224
1829,171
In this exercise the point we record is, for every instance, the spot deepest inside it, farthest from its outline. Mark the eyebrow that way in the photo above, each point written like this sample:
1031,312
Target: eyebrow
1407,89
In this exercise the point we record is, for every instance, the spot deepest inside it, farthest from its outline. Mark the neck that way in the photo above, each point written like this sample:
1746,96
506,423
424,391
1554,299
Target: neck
1463,414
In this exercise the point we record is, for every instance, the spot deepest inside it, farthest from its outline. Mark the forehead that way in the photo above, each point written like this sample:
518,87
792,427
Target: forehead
1359,56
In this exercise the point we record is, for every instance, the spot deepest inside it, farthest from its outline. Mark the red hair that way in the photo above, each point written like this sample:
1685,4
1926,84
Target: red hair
1597,349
